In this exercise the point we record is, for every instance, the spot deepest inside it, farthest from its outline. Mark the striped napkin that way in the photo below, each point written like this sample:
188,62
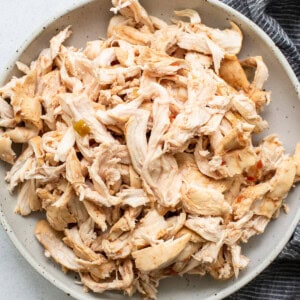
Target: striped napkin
280,19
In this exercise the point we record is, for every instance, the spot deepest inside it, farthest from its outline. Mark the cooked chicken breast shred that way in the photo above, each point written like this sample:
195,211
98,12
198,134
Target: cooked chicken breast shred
138,148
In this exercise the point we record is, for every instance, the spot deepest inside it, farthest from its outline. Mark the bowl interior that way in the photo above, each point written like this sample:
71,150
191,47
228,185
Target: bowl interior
89,22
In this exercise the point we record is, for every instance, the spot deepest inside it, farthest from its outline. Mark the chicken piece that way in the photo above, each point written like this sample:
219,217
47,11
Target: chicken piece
283,179
149,229
185,256
119,248
209,252
261,73
147,285
255,92
133,197
80,108
21,134
221,269
17,173
57,40
157,63
6,114
27,200
100,194
204,201
73,171
161,255
66,196
36,144
97,214
165,38
65,145
255,226
48,87
297,162
26,105
105,57
189,13
7,154
133,9
175,224
209,228
134,179
246,108
93,48
237,138
127,277
280,184
126,54
129,34
77,210
135,132
228,39
125,223
22,89
190,173
87,231
52,242
102,268
79,72
73,240
22,67
72,83
119,74
271,152
160,171
238,160
107,162
59,217
239,261
194,115
233,73
200,42
247,197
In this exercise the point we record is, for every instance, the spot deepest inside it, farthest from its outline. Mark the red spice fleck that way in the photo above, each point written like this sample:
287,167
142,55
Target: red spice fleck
259,164
250,178
240,198
223,162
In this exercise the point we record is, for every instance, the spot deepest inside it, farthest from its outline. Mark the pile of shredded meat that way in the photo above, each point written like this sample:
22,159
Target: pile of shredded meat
139,150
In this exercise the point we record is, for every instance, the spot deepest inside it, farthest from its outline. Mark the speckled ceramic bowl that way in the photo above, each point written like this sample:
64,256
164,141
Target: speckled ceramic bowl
90,21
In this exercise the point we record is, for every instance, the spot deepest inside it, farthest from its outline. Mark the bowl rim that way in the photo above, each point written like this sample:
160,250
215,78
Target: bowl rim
248,277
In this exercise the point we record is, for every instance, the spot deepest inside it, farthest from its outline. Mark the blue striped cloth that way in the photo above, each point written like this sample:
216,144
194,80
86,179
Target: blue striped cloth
280,19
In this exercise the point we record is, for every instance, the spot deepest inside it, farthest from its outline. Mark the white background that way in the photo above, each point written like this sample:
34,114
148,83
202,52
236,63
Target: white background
19,19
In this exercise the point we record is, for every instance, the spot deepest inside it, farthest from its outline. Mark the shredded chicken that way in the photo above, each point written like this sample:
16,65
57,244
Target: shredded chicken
139,150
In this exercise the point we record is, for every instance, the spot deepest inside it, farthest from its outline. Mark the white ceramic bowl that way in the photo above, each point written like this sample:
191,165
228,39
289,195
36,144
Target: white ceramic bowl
89,21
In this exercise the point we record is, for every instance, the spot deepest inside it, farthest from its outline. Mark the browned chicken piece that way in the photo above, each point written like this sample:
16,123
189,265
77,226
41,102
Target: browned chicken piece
233,73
